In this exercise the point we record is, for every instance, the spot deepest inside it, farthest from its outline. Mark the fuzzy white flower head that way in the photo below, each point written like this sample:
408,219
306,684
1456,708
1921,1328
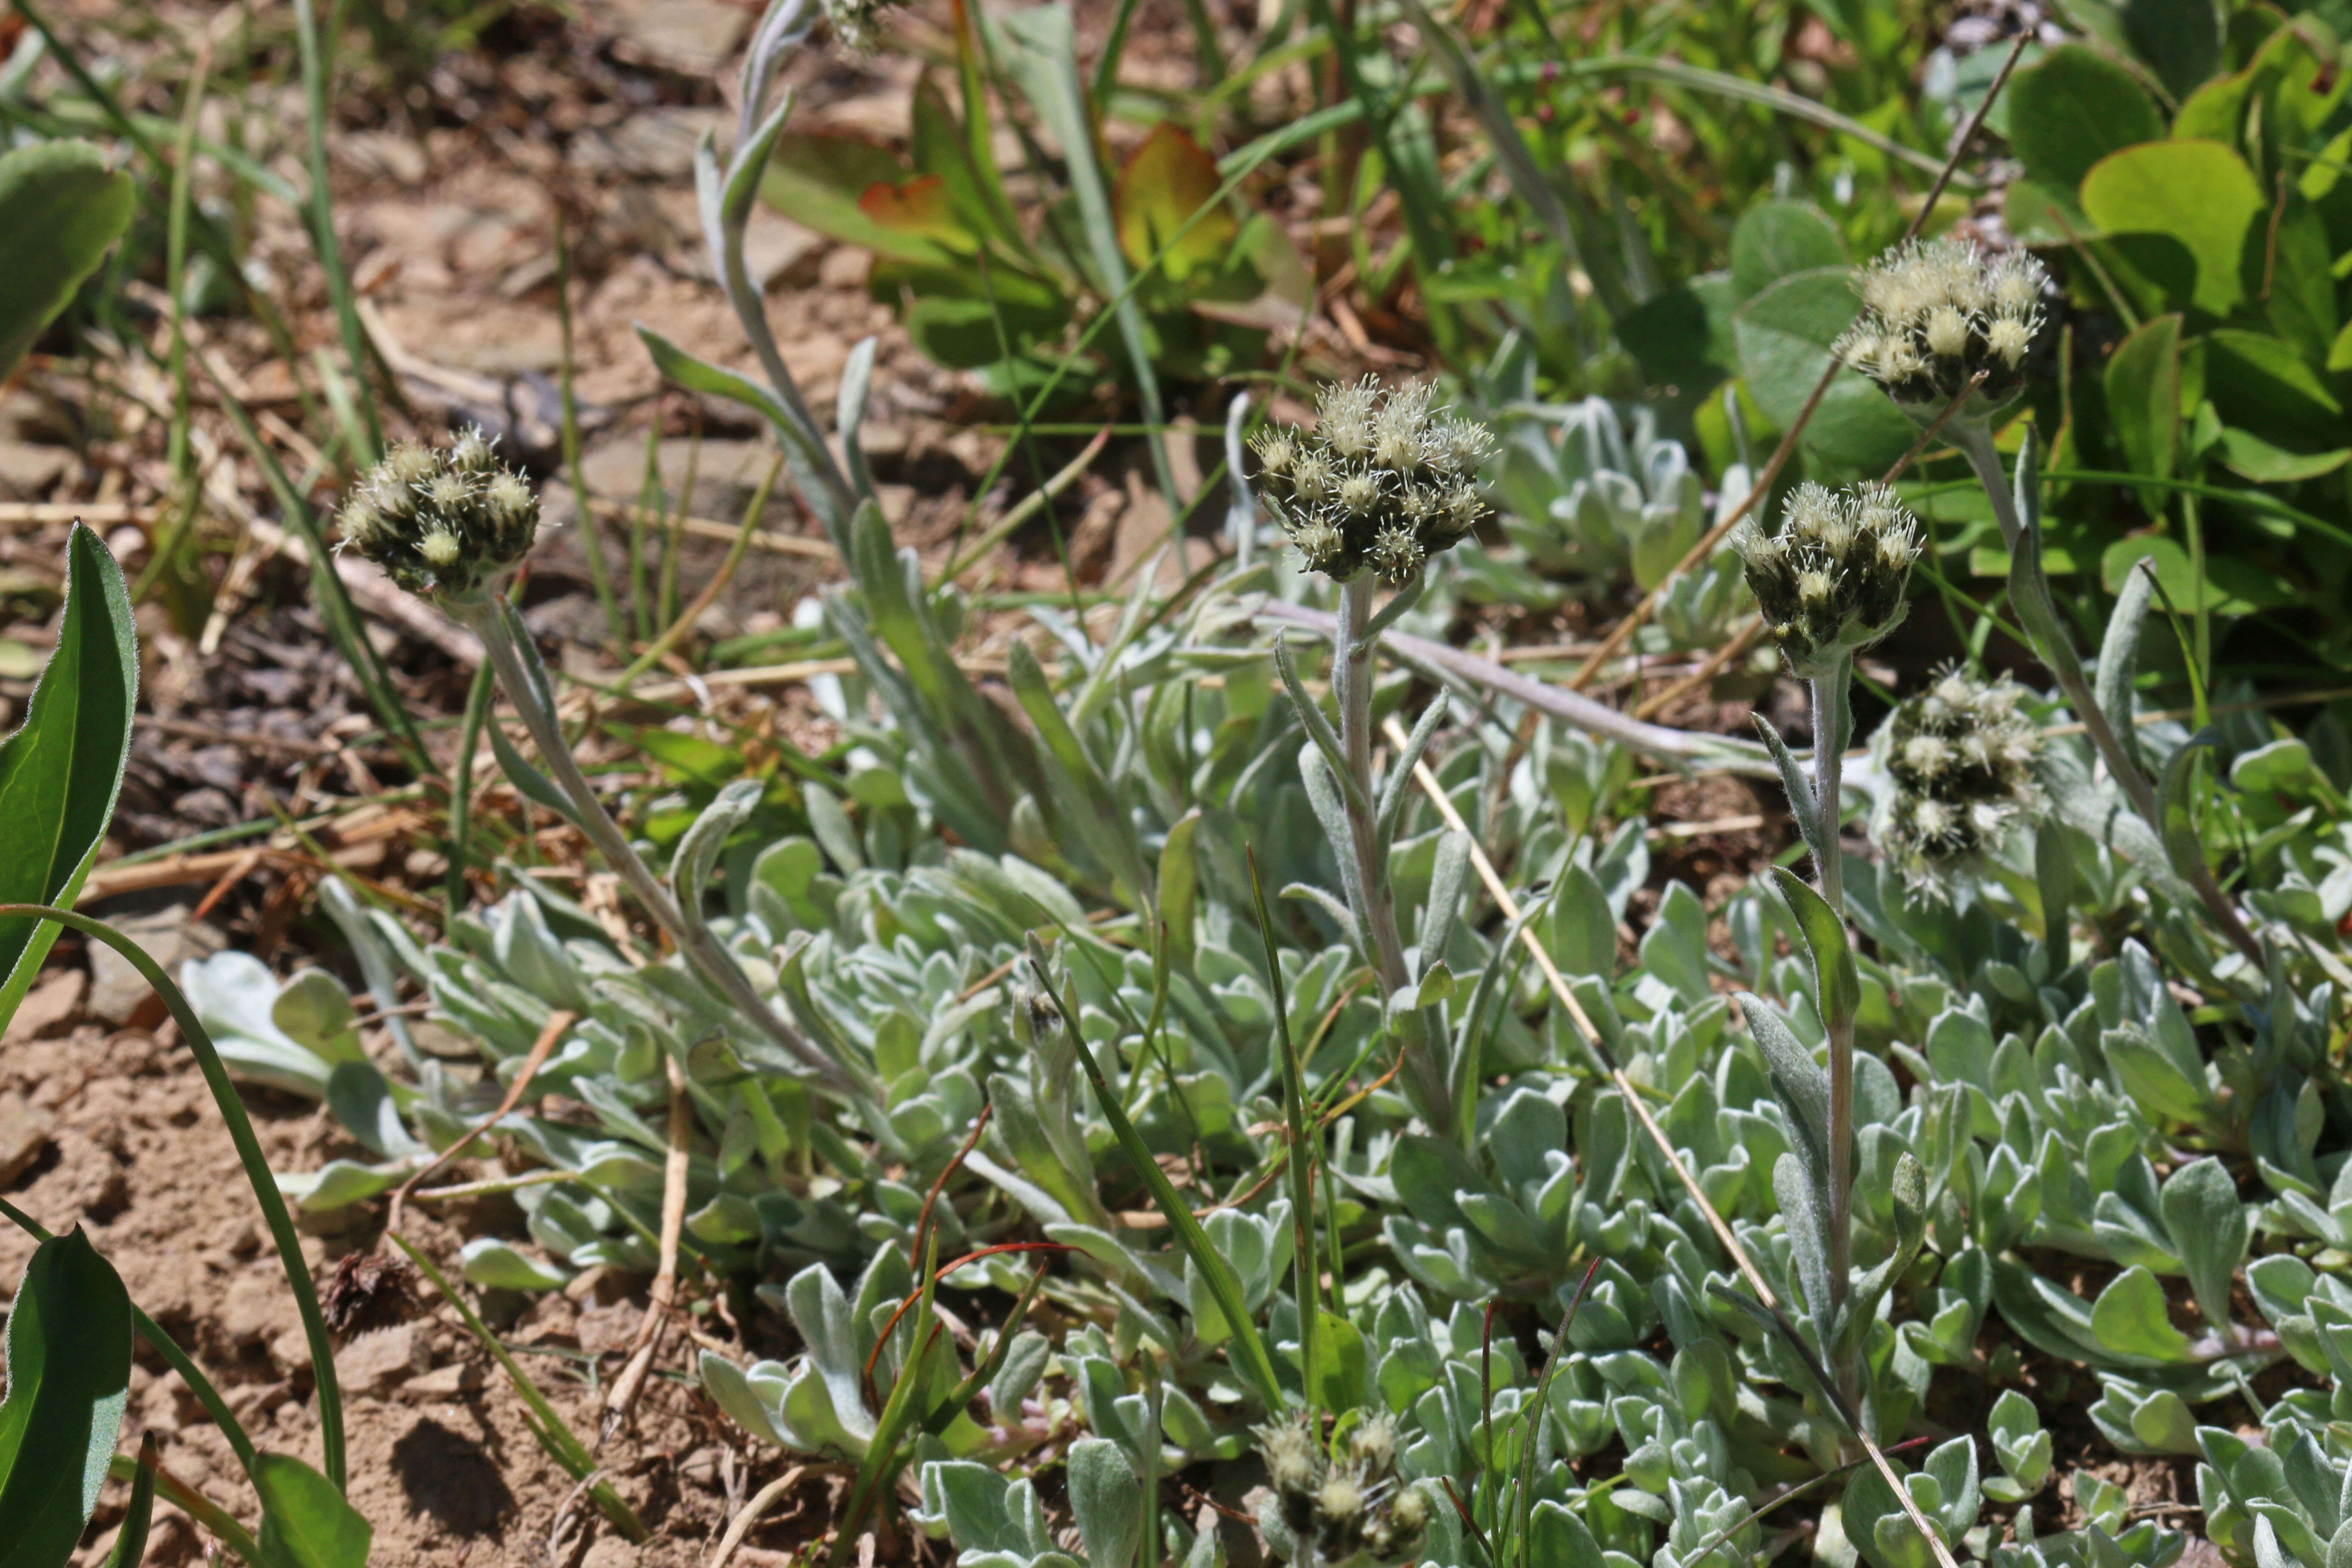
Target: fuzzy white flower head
1938,313
1344,417
857,25
442,522
1340,1497
1277,449
1833,580
1382,482
1964,759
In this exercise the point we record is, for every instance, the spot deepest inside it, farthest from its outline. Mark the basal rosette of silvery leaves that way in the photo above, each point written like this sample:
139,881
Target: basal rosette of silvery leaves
2052,1087
1588,496
2049,1087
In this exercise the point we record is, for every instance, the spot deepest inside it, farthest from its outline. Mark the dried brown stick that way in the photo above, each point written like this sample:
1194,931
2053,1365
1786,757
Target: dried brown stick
622,1400
558,1022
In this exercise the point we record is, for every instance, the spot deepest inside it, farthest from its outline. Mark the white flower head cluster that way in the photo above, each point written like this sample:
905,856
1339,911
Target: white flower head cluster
1964,759
1383,481
442,521
1834,579
1351,1506
857,25
1935,313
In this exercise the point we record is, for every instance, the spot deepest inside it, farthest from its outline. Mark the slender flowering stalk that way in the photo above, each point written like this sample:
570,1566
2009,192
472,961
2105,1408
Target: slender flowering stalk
1380,484
449,526
1935,316
1831,582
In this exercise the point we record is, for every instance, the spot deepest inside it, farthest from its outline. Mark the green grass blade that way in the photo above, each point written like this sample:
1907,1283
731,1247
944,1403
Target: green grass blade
317,70
1046,58
131,1541
1304,1156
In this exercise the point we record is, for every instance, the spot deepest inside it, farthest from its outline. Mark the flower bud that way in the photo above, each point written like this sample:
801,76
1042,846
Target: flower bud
1965,761
1340,1497
1935,314
448,523
1382,481
1373,1444
1832,581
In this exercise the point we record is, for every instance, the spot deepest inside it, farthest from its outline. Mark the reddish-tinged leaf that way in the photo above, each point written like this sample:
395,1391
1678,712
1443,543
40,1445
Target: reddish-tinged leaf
919,208
1167,180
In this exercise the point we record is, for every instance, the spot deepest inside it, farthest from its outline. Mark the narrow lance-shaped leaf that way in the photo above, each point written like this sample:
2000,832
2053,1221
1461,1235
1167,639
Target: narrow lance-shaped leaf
68,1378
60,775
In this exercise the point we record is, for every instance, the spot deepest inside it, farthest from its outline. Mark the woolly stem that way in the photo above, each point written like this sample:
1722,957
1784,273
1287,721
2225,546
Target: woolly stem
2029,591
483,616
1351,685
1832,728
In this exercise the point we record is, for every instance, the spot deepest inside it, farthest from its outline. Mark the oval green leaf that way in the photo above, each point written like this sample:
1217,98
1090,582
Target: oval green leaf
1784,335
2071,110
2199,192
305,1522
60,207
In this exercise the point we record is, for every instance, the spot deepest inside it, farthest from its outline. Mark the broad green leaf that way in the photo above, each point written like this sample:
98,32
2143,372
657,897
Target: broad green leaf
2210,1226
1343,1364
2234,585
942,150
1784,335
2199,192
60,207
1777,239
2143,388
2180,38
817,178
2282,767
2130,1319
2282,421
60,775
2175,791
2072,107
69,1377
1168,179
495,1265
922,209
305,1522
2119,662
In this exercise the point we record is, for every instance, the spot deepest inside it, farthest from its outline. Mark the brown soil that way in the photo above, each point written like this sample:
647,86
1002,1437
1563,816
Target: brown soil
440,1458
